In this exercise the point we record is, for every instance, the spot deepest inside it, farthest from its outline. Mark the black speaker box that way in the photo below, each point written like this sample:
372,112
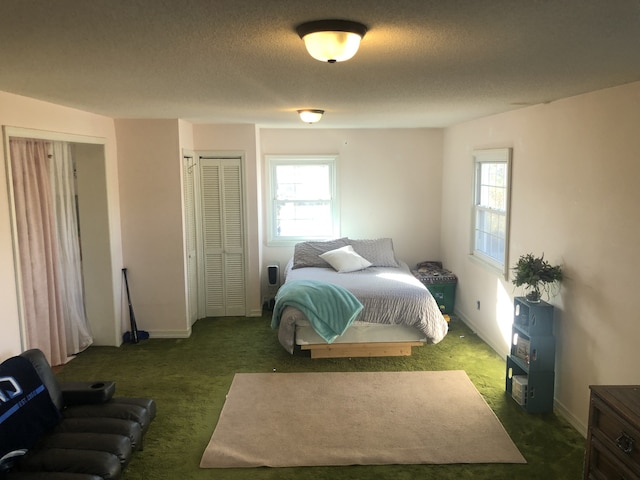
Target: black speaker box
273,275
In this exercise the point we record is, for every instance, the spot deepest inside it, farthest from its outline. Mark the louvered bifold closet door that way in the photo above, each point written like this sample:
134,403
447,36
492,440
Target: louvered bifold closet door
223,236
233,238
212,237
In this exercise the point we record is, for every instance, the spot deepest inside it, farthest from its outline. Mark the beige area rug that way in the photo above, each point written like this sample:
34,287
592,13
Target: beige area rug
356,418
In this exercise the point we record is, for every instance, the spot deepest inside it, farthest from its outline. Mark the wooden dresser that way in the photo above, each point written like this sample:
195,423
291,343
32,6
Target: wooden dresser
613,436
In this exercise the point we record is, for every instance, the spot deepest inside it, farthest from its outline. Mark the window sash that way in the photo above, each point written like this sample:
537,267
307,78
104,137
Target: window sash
303,197
490,230
300,182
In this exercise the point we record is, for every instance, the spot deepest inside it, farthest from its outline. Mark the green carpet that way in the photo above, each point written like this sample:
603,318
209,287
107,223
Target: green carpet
189,379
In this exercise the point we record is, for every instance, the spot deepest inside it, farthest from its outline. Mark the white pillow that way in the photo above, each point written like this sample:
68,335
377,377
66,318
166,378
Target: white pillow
345,259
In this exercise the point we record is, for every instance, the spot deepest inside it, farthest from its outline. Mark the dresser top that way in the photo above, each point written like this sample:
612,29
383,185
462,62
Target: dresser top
624,398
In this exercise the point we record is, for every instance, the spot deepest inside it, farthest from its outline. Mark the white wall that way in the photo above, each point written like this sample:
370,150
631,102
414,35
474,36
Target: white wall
150,163
576,165
390,183
22,112
97,270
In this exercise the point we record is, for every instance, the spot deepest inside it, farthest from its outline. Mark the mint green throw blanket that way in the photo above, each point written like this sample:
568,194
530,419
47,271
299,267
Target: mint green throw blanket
329,308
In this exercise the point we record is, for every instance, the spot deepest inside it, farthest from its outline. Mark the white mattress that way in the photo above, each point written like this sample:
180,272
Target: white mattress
361,332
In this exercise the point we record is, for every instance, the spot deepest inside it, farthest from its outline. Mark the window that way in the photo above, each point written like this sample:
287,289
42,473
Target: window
490,235
303,203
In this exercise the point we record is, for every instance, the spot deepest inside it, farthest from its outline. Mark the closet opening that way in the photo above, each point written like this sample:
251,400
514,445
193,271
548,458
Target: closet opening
97,279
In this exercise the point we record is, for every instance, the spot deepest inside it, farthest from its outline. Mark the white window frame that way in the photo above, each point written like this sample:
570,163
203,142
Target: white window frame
482,159
272,162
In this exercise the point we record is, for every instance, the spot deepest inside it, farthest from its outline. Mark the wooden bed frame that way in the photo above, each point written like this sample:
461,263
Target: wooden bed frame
343,350
373,349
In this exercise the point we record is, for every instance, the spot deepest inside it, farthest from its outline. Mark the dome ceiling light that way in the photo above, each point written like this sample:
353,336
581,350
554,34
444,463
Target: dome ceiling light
310,115
332,40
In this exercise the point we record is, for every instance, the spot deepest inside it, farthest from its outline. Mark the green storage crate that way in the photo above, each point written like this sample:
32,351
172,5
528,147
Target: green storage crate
445,295
440,282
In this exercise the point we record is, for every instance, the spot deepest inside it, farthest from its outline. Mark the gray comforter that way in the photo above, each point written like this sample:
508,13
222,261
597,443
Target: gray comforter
389,296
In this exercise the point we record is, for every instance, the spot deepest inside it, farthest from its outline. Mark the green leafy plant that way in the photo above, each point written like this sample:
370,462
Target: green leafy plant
537,274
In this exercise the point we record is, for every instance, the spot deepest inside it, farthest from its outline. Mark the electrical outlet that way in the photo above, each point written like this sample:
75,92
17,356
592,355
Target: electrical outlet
478,304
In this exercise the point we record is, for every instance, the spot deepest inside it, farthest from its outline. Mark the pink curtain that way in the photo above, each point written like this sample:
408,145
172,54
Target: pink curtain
42,315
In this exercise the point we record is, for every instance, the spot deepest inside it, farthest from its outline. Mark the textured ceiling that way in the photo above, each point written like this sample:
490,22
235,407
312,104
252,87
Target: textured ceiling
423,63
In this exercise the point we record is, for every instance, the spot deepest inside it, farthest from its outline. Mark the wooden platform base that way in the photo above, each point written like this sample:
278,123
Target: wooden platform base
342,350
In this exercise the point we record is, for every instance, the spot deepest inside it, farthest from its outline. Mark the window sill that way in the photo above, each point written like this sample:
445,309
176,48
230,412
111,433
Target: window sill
501,272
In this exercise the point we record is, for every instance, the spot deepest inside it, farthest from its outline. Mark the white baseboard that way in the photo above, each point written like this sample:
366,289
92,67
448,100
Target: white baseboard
470,324
562,411
558,407
170,333
187,333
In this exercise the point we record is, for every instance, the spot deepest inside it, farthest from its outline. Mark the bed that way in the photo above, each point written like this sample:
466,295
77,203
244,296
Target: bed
396,312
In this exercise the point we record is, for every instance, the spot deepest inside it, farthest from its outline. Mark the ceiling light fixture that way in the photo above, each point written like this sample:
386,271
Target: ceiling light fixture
332,40
310,115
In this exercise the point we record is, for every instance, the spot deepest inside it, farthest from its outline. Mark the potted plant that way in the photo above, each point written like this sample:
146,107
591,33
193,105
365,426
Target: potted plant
537,274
